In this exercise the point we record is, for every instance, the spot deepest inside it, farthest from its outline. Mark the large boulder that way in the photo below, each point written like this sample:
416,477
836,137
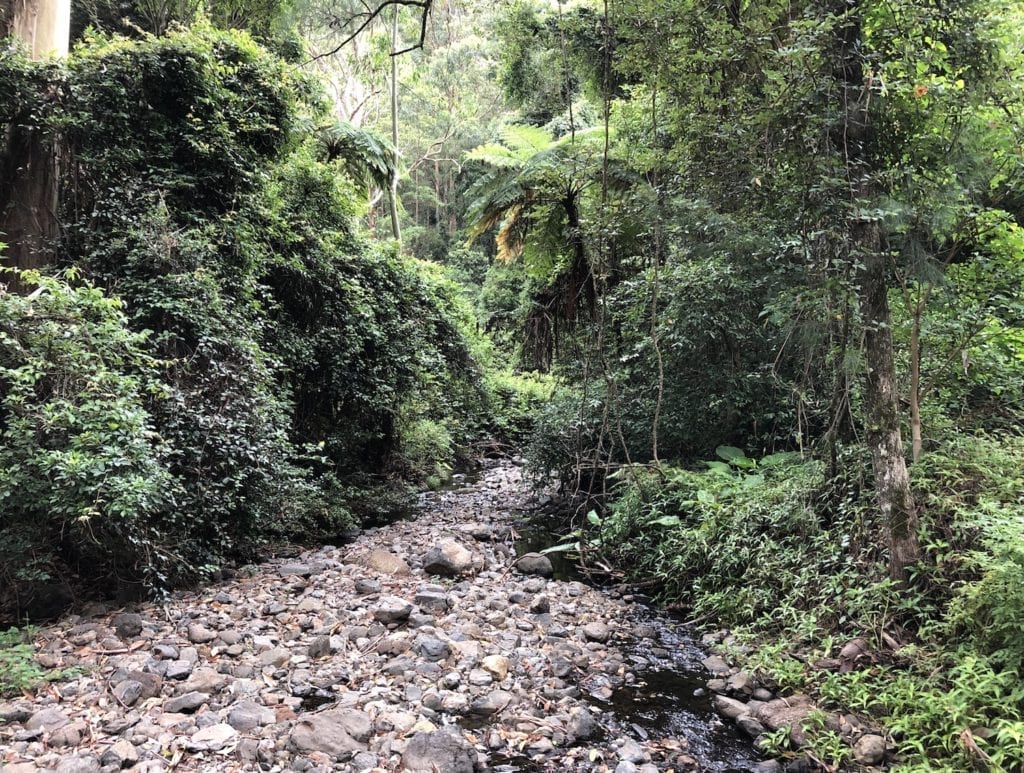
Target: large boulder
448,558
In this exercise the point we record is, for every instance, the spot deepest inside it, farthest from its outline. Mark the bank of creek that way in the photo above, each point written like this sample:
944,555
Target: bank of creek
423,645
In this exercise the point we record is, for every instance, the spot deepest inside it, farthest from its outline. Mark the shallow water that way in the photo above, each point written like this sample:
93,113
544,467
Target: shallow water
662,704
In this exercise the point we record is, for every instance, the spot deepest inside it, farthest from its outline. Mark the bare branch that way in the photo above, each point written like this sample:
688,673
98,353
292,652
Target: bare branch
367,17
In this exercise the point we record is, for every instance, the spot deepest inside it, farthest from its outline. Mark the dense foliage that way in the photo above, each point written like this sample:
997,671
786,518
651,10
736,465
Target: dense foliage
253,369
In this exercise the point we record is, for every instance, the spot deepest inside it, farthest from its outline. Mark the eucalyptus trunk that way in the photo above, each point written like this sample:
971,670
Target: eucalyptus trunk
396,229
29,165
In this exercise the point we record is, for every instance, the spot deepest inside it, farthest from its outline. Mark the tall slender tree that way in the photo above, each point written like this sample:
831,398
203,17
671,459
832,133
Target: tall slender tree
30,162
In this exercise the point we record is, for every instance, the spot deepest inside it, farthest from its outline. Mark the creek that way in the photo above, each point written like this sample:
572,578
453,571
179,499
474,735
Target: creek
669,697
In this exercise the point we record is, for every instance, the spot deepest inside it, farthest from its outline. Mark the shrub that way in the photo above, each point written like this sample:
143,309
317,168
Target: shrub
83,474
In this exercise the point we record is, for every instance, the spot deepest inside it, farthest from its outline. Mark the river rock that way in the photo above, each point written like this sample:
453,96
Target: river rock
448,558
786,712
248,715
200,634
869,749
431,648
599,632
386,563
122,754
492,703
212,738
85,763
127,692
443,750
392,609
496,665
716,665
535,563
730,708
190,701
338,732
47,720
581,725
128,625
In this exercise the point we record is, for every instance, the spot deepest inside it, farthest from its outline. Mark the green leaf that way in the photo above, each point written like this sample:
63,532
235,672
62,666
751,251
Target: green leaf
594,518
718,467
753,481
729,453
705,497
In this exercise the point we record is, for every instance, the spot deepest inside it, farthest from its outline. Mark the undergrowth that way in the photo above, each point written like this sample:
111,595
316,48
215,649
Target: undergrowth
793,563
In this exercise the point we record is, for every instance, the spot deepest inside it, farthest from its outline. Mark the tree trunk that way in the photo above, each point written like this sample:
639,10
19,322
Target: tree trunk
915,385
44,26
396,229
881,404
28,187
881,396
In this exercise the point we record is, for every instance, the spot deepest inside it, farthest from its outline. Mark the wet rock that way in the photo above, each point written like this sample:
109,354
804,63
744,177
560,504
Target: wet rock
386,563
443,750
730,708
128,625
581,725
535,563
392,609
448,558
716,665
869,749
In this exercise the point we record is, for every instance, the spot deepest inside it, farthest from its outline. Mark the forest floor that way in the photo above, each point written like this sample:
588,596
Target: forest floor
426,644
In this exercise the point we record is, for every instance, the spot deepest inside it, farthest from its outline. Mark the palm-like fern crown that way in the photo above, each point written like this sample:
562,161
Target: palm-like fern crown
528,167
366,157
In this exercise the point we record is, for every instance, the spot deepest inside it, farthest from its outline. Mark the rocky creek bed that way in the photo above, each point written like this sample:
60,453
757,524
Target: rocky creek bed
425,645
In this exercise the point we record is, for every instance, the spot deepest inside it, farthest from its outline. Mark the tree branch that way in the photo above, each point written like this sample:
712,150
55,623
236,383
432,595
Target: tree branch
367,19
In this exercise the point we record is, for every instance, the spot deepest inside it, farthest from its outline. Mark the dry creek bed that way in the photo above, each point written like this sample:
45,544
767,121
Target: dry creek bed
424,645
